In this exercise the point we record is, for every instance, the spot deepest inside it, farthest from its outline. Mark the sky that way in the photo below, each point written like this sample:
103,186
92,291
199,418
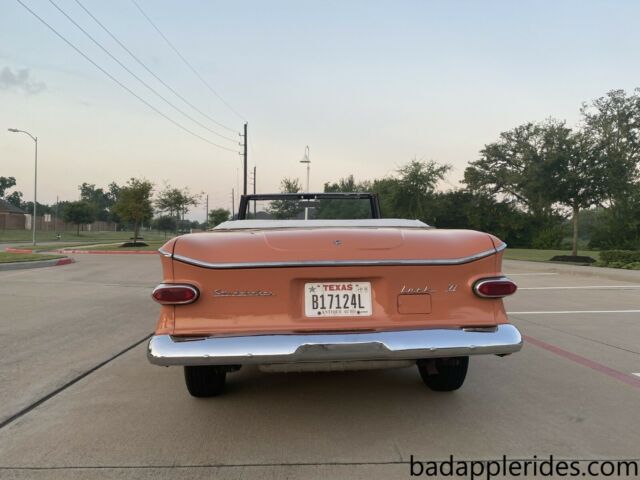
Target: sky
367,85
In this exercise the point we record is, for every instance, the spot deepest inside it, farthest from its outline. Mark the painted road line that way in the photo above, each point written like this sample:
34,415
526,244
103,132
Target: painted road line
560,312
636,374
584,287
585,362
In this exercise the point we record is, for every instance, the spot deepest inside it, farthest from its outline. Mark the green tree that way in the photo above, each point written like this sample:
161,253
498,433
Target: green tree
346,209
15,199
287,209
516,167
176,201
618,227
5,184
519,168
112,195
164,223
217,216
577,177
100,200
410,192
134,203
78,213
612,122
467,210
42,208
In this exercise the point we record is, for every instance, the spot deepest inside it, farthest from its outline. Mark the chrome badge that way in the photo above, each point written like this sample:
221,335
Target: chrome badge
416,291
451,288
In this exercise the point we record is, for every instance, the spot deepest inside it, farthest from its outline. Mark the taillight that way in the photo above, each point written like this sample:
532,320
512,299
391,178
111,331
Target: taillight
175,294
494,287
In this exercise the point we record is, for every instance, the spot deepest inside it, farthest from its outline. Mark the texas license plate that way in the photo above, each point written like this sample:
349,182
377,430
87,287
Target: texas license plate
337,299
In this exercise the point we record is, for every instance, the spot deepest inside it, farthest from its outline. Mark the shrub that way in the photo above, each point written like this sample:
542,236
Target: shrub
619,258
549,237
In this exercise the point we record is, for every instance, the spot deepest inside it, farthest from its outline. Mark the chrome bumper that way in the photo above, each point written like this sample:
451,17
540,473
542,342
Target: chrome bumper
282,348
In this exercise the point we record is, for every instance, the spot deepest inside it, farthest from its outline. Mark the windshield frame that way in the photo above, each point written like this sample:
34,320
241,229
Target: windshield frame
245,200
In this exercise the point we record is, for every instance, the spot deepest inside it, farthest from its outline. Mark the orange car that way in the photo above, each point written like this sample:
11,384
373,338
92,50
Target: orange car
324,283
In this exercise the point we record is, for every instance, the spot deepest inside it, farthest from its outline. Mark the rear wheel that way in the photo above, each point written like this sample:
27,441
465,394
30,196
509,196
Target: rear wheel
444,374
205,381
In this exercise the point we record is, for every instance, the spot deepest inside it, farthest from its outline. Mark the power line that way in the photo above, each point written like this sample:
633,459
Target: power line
186,62
141,63
149,87
86,57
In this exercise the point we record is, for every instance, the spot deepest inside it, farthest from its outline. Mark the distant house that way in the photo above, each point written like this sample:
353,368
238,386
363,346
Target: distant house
11,217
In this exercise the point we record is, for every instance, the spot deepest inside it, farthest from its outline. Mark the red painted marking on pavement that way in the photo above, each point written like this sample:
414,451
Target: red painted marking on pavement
65,261
585,362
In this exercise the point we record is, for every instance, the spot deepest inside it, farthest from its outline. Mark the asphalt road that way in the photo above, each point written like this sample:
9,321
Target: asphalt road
571,392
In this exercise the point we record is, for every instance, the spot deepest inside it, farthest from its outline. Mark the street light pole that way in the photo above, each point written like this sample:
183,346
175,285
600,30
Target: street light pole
308,162
35,182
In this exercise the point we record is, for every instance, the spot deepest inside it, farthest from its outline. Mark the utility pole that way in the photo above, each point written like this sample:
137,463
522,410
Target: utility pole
206,214
244,144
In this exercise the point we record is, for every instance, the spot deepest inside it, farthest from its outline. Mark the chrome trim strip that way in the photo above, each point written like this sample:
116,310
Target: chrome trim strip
476,286
170,285
164,252
336,263
301,348
501,247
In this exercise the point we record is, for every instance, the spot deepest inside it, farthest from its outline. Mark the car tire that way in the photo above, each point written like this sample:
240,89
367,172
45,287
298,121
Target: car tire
444,374
204,381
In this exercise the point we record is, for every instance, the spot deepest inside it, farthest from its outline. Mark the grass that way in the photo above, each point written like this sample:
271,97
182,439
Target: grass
543,255
7,236
25,257
56,246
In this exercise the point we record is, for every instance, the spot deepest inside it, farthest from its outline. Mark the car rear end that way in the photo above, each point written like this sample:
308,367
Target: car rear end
331,298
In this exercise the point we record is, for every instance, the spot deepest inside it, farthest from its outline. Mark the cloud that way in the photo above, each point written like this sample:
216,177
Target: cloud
20,80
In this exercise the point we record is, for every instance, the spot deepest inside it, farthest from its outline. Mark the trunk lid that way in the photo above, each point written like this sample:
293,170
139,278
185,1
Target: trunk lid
329,244
256,281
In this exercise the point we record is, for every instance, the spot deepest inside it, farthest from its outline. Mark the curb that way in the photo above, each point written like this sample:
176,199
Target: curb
619,274
18,250
55,262
108,252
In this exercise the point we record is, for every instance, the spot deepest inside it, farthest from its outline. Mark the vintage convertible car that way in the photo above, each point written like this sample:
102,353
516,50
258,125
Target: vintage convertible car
332,286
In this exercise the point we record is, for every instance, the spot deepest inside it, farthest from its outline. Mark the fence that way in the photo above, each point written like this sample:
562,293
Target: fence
46,223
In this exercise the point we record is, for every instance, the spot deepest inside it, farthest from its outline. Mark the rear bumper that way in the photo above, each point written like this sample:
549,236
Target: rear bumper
294,348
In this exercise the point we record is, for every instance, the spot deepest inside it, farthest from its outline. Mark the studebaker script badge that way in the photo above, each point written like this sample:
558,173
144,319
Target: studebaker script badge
242,293
451,288
415,291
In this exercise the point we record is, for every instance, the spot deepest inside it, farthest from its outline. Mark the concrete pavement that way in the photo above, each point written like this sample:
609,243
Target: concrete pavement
58,322
565,394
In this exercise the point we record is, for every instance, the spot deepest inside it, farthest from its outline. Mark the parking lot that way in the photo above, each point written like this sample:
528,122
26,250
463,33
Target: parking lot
79,399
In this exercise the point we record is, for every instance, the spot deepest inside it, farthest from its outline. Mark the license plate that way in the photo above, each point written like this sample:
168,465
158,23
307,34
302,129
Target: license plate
337,299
